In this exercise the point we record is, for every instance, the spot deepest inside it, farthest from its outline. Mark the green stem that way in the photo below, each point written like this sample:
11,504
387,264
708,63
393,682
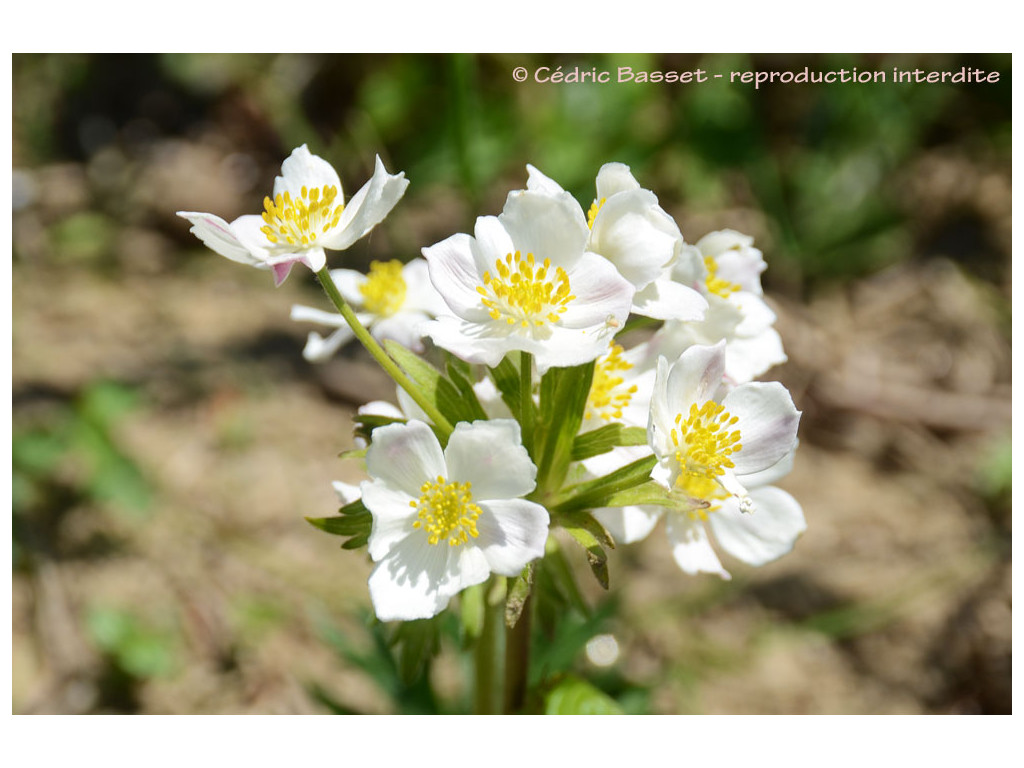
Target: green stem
378,353
517,661
526,415
489,654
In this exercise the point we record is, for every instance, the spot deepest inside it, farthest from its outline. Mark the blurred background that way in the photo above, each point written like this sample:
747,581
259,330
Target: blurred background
169,438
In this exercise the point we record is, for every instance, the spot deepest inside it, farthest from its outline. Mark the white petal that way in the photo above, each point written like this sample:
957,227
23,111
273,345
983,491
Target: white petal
636,235
415,581
491,456
768,423
490,242
347,493
763,535
367,208
538,182
691,547
381,408
403,327
318,348
512,533
393,517
695,377
746,359
218,236
348,282
669,300
774,473
629,524
454,273
547,227
404,456
614,178
601,294
420,294
304,169
304,314
472,342
756,314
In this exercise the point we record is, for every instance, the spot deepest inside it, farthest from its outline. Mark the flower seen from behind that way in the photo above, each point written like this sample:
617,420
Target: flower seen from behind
629,228
444,520
727,269
306,215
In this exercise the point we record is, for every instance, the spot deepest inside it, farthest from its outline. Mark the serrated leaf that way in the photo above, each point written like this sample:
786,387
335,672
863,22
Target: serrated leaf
437,389
573,696
605,438
518,594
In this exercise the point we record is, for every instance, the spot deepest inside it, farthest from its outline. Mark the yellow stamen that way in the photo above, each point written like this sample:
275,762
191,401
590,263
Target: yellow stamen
717,285
704,444
592,213
300,221
525,294
607,399
384,289
446,512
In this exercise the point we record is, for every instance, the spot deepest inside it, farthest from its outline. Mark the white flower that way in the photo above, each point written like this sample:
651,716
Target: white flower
726,268
525,282
630,229
392,301
718,455
445,520
306,215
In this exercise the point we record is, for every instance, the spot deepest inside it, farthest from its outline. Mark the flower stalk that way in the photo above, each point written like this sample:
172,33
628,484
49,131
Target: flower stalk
377,351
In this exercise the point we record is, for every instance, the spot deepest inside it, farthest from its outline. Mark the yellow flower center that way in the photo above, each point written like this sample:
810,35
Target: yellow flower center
592,213
446,512
524,293
717,285
606,400
384,289
704,444
300,221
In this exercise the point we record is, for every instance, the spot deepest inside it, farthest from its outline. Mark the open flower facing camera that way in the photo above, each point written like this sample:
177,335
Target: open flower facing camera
527,423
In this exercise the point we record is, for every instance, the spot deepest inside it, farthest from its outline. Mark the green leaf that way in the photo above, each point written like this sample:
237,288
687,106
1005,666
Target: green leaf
605,438
597,558
518,593
596,493
353,520
465,388
648,493
437,389
563,397
573,696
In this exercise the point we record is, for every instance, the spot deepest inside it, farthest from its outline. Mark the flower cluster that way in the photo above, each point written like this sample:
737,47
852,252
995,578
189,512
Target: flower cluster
521,409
